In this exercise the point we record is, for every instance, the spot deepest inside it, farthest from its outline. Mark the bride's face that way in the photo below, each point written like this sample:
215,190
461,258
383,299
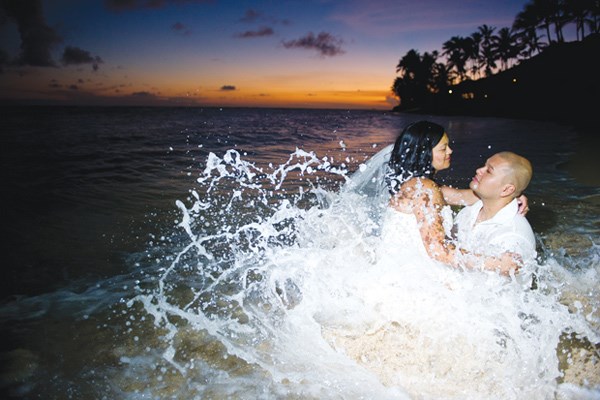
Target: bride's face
441,154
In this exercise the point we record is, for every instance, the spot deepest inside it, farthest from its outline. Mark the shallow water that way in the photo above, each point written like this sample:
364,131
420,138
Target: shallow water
188,253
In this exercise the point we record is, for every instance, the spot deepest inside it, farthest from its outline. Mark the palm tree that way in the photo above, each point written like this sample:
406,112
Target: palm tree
526,25
530,43
486,52
534,14
582,12
550,13
418,78
434,73
593,15
490,56
457,51
440,78
506,46
408,64
576,12
406,85
474,54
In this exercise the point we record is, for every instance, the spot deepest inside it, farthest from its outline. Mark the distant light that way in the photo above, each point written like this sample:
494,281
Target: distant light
449,91
485,95
514,80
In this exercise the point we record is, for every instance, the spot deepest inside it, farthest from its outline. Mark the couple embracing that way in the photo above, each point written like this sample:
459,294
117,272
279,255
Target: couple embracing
490,232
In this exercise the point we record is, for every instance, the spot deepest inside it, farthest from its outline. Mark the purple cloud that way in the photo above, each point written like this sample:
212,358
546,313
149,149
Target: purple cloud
37,38
142,94
181,28
76,56
250,16
325,43
131,5
264,31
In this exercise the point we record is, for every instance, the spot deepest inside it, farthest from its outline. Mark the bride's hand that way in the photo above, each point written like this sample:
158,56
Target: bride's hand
509,262
523,204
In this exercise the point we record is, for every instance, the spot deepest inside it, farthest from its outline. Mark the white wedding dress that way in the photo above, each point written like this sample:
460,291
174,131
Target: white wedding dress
396,299
399,231
400,234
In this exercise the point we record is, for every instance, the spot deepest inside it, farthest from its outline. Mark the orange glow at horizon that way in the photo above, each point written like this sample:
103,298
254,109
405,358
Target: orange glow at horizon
312,99
173,89
357,99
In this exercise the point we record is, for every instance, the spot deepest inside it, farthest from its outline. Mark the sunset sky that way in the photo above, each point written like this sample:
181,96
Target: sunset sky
277,53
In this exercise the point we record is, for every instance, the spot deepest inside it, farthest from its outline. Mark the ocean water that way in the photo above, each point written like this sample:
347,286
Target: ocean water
217,254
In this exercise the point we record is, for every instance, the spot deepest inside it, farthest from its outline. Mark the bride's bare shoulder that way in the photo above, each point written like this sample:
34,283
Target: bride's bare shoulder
418,184
415,192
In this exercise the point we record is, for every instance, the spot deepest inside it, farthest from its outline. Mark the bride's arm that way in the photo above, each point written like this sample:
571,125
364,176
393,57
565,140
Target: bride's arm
458,197
426,203
424,199
466,197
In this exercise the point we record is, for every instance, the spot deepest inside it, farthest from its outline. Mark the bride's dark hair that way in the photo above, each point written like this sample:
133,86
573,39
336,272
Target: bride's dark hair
412,153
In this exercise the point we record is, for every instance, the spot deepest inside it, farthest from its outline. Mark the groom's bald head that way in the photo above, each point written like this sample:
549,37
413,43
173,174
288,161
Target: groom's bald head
518,171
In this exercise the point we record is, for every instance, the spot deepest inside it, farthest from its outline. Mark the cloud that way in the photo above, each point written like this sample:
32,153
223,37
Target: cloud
76,56
251,16
178,27
131,5
37,38
228,88
325,43
264,31
143,94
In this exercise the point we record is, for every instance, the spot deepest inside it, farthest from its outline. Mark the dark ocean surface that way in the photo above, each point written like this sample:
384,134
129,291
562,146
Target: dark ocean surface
92,217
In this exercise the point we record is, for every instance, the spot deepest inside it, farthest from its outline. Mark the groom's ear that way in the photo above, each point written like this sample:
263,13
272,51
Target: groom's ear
508,189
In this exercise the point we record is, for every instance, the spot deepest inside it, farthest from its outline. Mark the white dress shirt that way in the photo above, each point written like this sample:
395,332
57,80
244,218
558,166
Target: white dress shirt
506,231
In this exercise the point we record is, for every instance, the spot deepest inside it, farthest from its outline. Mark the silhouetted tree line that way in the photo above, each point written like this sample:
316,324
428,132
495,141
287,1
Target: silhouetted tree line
488,51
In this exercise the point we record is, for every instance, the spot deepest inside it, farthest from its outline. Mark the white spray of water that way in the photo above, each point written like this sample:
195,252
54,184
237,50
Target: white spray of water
302,291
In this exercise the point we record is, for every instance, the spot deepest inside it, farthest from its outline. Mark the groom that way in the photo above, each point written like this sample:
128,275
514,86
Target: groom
493,224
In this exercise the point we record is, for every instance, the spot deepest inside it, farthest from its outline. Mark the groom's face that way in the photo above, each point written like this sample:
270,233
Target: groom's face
490,179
